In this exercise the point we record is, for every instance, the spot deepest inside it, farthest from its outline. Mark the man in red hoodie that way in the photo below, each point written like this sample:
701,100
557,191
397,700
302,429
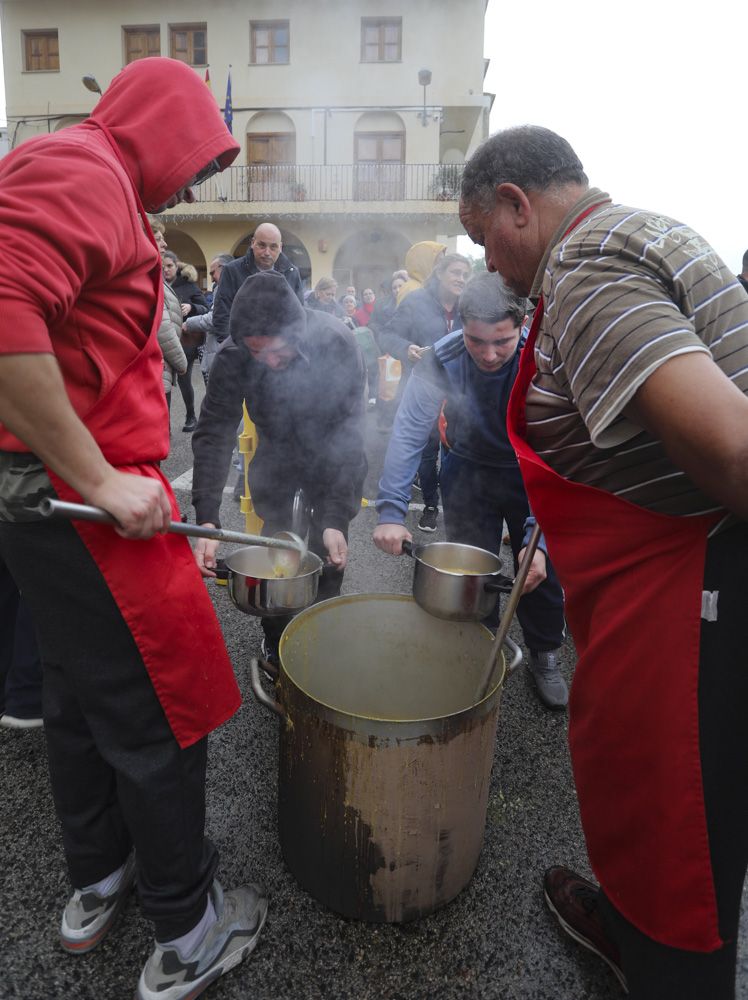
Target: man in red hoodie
134,681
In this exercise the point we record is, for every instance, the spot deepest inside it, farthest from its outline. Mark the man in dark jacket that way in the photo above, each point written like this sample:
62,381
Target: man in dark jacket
302,376
265,254
423,317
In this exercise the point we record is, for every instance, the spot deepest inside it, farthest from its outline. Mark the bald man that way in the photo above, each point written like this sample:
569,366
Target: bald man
265,254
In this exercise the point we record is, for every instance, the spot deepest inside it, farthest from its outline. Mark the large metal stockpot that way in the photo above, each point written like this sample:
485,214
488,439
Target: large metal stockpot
385,758
461,583
256,589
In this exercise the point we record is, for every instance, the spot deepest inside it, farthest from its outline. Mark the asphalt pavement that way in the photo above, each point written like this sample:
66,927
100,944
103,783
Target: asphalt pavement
495,940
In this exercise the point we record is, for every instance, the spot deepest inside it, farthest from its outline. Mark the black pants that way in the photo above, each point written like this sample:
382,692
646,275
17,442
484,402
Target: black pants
477,498
653,971
20,666
185,384
119,778
329,585
428,469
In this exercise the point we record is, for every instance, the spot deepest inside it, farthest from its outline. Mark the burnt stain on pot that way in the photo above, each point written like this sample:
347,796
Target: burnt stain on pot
380,828
384,774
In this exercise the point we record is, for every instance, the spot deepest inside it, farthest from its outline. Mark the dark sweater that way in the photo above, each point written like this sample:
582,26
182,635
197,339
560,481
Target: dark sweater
309,418
233,276
419,319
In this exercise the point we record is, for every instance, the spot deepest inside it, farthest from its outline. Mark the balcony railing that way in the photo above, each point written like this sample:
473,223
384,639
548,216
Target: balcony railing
358,182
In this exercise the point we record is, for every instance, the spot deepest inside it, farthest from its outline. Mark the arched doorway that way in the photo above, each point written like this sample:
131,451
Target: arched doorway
188,251
368,258
271,156
293,248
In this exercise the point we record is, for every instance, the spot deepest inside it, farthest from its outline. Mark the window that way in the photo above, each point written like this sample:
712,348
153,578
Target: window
142,42
269,42
189,43
41,51
381,39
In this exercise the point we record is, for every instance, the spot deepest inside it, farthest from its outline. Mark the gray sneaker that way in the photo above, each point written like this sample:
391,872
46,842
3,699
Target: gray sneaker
241,914
88,917
551,686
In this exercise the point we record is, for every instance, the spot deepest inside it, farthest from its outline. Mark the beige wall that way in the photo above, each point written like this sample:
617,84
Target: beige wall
325,94
324,70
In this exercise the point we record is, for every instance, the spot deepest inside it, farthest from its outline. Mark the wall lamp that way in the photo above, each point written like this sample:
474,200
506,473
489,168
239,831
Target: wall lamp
424,79
90,82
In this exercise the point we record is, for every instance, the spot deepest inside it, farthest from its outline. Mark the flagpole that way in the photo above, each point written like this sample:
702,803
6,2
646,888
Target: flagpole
228,117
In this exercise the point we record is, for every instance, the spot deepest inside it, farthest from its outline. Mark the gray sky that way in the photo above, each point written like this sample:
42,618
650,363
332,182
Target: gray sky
650,94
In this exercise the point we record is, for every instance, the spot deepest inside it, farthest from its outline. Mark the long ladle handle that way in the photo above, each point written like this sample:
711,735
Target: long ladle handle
506,619
84,512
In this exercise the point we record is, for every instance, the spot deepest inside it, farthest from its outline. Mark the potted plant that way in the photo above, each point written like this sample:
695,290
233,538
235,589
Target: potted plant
445,184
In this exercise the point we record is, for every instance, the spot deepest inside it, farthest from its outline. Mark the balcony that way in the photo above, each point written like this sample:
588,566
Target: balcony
334,187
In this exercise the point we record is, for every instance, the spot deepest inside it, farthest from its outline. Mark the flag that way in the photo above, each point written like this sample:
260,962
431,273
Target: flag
207,78
228,111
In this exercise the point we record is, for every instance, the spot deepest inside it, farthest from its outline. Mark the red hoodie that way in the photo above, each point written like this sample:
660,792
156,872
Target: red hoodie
76,268
80,278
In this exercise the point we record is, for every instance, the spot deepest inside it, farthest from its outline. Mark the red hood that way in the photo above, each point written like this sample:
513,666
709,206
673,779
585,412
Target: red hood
166,124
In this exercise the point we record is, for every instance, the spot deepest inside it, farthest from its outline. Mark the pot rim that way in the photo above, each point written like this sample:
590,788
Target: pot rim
272,579
418,549
355,598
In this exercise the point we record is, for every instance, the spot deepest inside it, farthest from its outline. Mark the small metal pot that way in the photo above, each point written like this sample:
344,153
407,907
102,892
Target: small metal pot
460,583
256,590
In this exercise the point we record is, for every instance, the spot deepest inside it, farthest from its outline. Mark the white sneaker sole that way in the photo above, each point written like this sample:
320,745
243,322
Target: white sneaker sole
188,991
586,944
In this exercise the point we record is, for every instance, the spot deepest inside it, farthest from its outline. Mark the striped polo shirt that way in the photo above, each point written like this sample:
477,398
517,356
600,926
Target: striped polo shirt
624,292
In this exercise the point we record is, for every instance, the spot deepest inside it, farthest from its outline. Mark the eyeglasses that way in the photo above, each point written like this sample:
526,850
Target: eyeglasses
209,170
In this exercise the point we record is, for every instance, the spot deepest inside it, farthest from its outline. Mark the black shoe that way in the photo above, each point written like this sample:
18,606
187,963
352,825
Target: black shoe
427,521
189,425
573,901
269,651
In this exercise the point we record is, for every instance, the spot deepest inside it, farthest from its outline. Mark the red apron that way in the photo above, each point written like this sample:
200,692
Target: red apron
633,581
156,583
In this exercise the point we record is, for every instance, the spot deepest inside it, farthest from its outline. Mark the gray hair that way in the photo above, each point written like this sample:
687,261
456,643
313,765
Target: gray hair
529,156
223,258
487,299
451,258
324,283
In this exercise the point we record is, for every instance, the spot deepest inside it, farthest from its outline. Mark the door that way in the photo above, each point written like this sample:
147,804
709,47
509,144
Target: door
379,172
271,157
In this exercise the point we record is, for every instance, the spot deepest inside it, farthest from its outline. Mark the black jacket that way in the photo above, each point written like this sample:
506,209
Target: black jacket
419,319
233,276
188,292
309,416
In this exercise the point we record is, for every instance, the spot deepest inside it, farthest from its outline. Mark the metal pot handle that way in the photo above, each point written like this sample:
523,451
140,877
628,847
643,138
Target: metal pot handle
500,584
260,693
516,659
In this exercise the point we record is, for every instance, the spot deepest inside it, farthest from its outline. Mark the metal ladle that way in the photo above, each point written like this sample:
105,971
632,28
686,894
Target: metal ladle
506,620
287,548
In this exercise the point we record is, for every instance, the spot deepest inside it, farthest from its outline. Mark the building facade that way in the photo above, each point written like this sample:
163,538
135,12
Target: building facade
354,116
